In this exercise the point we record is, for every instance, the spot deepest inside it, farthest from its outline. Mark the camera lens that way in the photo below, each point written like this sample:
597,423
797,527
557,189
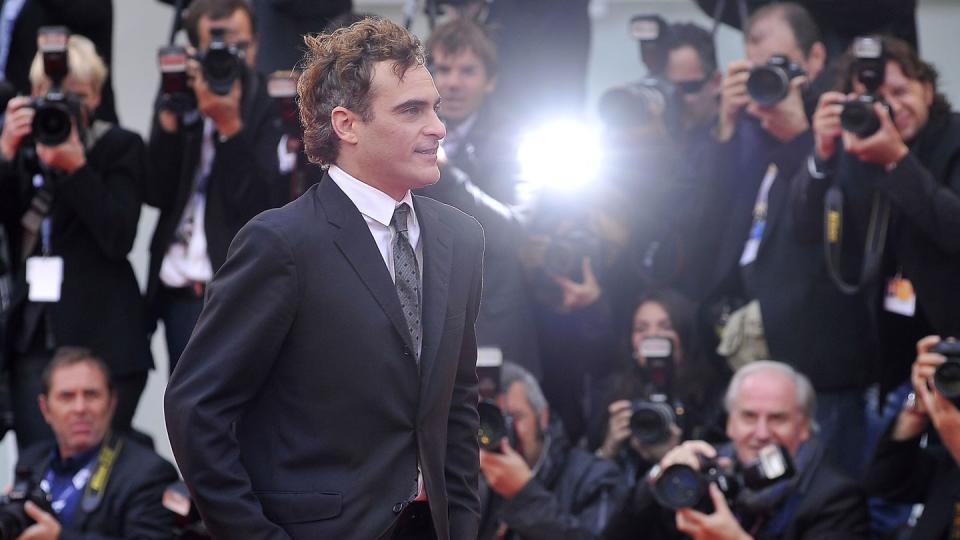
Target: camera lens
947,379
767,85
493,426
859,118
220,68
51,123
679,486
650,422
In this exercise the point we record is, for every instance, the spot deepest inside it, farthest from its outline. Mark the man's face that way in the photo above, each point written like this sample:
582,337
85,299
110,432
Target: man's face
78,407
698,89
909,100
771,36
238,31
463,83
396,149
528,426
766,412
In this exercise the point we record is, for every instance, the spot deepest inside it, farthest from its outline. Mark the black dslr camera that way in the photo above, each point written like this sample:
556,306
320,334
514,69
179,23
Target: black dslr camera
13,517
282,89
770,83
682,486
947,376
494,424
654,414
222,64
55,112
858,116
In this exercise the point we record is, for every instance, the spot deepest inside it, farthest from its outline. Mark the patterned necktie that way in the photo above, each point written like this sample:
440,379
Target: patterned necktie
406,275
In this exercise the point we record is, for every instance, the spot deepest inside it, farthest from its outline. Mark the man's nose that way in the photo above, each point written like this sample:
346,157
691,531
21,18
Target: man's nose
436,128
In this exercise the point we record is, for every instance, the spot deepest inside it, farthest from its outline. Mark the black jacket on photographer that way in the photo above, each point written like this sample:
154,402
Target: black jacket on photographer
571,496
923,240
818,503
807,322
239,183
903,471
93,217
131,505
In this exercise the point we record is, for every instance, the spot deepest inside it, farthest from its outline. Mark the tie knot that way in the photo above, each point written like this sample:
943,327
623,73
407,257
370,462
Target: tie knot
399,220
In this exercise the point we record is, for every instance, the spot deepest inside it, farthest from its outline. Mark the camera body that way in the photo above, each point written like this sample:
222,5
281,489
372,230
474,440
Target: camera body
282,88
946,378
494,424
858,115
769,83
654,414
13,517
56,112
221,63
682,486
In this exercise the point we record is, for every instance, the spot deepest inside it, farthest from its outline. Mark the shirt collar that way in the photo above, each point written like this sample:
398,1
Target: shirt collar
73,463
371,202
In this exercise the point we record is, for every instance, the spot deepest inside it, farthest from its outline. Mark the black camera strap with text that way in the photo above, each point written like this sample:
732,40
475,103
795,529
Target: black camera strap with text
833,239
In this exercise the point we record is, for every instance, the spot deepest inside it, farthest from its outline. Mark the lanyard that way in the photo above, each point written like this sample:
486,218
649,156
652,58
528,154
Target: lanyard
65,501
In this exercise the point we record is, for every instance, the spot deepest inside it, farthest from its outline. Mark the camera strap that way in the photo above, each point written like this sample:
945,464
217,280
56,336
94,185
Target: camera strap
107,457
833,239
718,10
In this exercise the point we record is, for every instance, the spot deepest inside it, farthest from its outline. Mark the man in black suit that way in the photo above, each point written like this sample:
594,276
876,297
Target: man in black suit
101,485
328,391
212,171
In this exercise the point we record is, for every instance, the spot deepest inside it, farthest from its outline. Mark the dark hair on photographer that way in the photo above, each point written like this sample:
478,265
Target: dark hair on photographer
71,356
913,67
215,10
461,35
338,71
697,37
801,23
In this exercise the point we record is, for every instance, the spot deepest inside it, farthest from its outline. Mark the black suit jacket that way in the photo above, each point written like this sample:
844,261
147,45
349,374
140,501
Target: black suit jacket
297,408
132,504
94,220
238,188
808,323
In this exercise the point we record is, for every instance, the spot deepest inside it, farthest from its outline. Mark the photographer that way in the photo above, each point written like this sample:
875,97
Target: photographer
212,172
101,484
70,212
542,487
911,166
768,403
760,264
904,469
685,380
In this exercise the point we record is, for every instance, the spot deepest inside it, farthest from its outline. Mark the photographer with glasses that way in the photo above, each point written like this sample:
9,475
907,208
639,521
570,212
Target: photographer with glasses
213,167
70,196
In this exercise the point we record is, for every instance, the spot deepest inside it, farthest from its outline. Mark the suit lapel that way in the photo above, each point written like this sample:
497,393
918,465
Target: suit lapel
437,241
353,238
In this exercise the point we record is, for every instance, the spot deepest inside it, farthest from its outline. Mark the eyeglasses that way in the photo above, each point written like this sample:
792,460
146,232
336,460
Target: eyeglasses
692,87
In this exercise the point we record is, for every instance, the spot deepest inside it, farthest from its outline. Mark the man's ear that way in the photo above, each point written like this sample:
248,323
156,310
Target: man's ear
816,60
344,123
44,408
544,418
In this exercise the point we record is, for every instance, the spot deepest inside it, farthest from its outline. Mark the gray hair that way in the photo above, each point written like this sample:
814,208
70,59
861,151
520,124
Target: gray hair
511,373
806,397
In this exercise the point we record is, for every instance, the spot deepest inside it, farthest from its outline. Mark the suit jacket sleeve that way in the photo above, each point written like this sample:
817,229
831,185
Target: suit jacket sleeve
900,471
462,470
249,309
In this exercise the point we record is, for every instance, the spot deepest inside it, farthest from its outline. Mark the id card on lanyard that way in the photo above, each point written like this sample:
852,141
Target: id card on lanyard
752,246
45,273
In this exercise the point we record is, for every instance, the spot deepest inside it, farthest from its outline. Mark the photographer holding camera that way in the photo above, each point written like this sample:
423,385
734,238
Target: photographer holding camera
70,203
664,395
887,163
212,171
539,486
93,483
903,468
771,481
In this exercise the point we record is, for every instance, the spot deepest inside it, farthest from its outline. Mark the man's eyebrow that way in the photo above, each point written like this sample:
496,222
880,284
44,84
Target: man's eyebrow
415,104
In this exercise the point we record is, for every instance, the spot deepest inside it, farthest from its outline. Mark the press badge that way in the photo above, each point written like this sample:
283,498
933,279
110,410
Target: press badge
900,297
45,276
